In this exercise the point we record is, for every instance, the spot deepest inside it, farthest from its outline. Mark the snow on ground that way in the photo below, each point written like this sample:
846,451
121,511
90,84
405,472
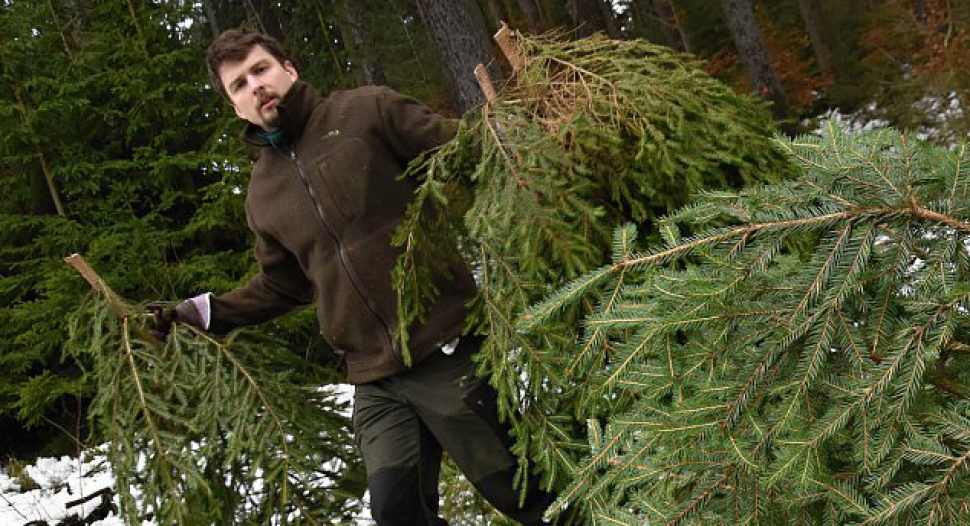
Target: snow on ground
941,113
61,481
858,122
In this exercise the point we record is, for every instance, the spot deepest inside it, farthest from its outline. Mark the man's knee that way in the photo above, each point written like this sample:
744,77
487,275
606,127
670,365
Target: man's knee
396,499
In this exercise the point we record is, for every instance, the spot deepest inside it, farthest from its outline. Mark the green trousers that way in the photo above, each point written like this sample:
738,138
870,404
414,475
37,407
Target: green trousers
402,424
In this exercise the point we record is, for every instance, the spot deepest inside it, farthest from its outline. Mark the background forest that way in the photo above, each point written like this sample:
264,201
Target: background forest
113,144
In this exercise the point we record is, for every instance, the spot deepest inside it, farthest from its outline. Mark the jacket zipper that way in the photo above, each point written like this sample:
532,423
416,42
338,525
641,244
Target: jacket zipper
344,258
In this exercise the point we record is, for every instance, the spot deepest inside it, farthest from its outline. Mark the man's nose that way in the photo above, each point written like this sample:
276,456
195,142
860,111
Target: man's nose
257,84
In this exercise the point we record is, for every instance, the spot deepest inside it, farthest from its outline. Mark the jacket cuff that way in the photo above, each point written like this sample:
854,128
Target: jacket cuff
201,304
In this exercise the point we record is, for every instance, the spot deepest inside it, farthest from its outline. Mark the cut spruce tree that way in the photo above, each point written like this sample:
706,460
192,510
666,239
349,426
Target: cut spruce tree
587,136
794,353
204,431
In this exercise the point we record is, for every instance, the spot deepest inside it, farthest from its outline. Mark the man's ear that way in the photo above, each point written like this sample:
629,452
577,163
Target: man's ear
291,70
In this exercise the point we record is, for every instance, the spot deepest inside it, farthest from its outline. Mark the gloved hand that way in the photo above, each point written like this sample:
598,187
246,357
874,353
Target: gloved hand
164,315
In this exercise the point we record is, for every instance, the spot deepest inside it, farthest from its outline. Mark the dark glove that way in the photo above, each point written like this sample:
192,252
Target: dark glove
164,315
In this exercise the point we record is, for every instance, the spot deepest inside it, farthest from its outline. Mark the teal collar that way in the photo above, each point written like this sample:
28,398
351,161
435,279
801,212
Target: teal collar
275,137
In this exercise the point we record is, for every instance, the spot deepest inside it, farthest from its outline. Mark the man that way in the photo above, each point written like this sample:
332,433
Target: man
324,199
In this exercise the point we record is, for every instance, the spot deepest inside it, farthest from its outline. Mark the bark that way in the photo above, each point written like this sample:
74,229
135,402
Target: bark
754,54
587,17
919,10
361,45
496,12
265,14
609,18
458,30
812,15
555,13
210,16
670,24
531,13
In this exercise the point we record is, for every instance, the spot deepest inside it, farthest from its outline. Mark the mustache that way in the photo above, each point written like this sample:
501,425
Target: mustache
264,97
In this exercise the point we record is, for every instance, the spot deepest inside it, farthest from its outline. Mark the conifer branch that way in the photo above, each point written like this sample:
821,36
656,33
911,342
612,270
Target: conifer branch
959,165
664,256
41,156
146,411
265,404
192,406
700,499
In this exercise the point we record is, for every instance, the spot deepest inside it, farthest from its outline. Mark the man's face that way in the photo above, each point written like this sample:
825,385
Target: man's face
255,86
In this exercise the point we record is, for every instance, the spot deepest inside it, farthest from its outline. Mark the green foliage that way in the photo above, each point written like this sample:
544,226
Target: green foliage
200,431
801,359
18,472
147,180
589,135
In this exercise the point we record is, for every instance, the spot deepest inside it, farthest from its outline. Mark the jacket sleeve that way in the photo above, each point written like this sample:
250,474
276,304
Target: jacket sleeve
279,287
409,126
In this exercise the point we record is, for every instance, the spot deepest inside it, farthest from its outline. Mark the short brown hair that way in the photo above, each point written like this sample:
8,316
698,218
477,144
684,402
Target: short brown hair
232,46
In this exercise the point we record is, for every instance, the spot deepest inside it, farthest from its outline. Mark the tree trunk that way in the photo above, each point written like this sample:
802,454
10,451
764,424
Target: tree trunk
496,12
458,30
609,18
210,16
371,72
587,17
265,14
919,10
530,10
670,24
555,13
754,54
812,15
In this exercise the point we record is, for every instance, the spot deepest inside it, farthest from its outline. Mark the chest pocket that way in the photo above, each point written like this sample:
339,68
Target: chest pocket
344,174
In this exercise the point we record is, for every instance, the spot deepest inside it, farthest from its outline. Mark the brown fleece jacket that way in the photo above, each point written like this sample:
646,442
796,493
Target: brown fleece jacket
323,209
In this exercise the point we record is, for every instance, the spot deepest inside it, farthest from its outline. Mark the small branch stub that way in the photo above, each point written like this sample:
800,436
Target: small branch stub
78,262
91,276
505,38
485,82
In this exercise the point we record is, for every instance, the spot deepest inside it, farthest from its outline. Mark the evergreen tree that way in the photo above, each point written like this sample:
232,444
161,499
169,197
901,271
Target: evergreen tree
129,154
199,431
800,359
590,134
110,110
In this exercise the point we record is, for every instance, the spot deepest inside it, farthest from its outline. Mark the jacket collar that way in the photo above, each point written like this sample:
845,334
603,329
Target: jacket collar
295,109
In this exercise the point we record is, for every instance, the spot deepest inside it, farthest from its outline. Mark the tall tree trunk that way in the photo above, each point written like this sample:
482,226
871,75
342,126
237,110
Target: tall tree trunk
556,13
812,15
496,12
358,36
587,17
919,10
265,14
670,24
210,16
754,54
458,30
531,13
609,18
